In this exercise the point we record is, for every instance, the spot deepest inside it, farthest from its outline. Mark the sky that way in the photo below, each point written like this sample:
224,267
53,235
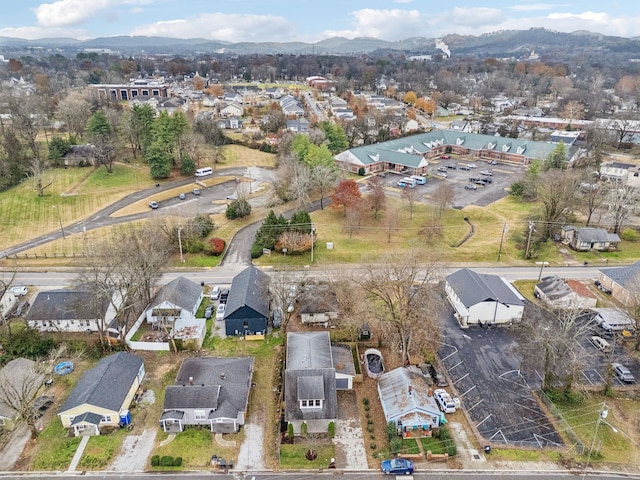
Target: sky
309,20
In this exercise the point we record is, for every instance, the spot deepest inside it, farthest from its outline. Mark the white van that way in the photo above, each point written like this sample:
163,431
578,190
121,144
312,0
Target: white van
444,400
419,179
410,181
201,172
601,344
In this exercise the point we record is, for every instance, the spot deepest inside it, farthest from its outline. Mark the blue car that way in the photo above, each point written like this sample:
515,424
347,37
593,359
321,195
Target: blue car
397,466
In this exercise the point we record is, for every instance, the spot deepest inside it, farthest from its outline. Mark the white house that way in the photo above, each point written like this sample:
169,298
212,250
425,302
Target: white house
7,302
557,293
177,301
480,299
232,110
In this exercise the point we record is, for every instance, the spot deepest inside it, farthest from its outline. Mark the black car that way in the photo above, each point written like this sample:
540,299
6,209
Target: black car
224,295
452,166
602,288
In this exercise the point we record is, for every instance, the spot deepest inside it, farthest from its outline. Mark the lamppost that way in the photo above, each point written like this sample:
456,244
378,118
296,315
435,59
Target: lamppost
542,264
60,221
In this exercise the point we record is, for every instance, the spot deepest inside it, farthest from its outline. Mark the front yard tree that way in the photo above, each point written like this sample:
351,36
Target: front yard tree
621,202
323,179
19,390
557,192
101,134
284,291
405,303
346,195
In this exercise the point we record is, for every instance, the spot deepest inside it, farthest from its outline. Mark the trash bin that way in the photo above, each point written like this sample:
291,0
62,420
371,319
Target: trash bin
487,449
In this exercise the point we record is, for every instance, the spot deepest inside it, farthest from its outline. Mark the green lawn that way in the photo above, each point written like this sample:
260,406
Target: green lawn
293,456
101,450
55,450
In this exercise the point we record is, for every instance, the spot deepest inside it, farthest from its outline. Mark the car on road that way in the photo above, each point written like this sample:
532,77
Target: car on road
488,173
196,191
445,157
233,196
442,174
397,466
623,373
182,196
220,312
153,205
471,186
19,291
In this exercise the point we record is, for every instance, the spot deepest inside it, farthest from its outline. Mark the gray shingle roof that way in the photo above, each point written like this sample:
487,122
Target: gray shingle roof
554,287
219,383
67,305
596,235
627,276
18,381
107,384
473,288
249,288
181,292
309,350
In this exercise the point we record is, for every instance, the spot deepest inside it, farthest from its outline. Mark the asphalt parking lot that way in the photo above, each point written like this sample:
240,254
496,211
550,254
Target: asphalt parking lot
484,370
502,177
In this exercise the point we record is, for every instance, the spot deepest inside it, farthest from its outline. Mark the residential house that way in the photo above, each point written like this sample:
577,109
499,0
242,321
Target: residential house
72,311
103,395
481,299
560,294
247,307
461,126
624,282
274,92
232,110
209,391
291,106
79,155
20,383
298,125
318,306
407,401
8,301
176,301
230,123
172,105
622,173
310,382
589,238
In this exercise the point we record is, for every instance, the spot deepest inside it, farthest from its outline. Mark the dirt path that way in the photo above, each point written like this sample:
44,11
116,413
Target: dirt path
13,446
134,452
251,455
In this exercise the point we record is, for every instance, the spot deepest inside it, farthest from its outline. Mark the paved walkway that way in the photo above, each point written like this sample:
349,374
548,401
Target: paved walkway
78,455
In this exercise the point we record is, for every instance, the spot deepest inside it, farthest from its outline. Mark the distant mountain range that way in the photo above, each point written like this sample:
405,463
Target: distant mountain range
510,43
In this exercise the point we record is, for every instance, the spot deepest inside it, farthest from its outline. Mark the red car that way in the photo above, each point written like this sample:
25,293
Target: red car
445,157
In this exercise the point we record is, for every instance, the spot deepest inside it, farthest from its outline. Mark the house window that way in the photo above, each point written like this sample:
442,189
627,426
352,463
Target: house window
200,415
106,419
313,403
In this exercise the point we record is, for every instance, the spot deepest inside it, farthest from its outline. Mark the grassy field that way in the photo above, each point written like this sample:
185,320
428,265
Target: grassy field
293,456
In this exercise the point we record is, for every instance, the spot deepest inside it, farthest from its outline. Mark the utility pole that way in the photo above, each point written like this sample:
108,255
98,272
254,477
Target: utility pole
531,225
180,243
504,229
313,240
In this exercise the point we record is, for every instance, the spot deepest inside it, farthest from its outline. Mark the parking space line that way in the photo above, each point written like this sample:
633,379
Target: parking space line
475,405
468,391
462,377
457,364
502,435
484,420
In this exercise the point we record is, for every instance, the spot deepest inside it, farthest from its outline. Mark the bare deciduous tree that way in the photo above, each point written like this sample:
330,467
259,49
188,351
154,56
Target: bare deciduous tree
283,291
621,201
376,198
443,196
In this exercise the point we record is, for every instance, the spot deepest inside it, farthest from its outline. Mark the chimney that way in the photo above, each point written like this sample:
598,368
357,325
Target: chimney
190,380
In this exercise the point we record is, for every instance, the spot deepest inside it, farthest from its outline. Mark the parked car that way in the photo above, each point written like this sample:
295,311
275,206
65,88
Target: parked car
602,288
220,311
41,405
472,165
444,400
397,466
224,294
19,291
488,173
471,186
153,205
182,196
442,169
442,174
452,166
464,167
623,373
195,191
215,293
445,157
601,344
208,313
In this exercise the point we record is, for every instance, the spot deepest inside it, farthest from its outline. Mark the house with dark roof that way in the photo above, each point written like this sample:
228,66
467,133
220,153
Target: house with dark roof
247,307
310,382
209,391
407,401
481,299
589,238
559,294
20,384
623,282
102,396
72,311
318,305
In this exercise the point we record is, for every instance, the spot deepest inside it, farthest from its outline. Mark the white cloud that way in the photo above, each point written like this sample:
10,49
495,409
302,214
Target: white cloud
36,33
219,26
392,24
530,7
73,12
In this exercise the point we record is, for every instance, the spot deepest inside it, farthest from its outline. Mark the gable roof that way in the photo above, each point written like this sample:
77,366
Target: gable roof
180,292
219,383
596,235
68,305
308,351
627,276
18,381
249,288
554,287
404,396
473,288
107,384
